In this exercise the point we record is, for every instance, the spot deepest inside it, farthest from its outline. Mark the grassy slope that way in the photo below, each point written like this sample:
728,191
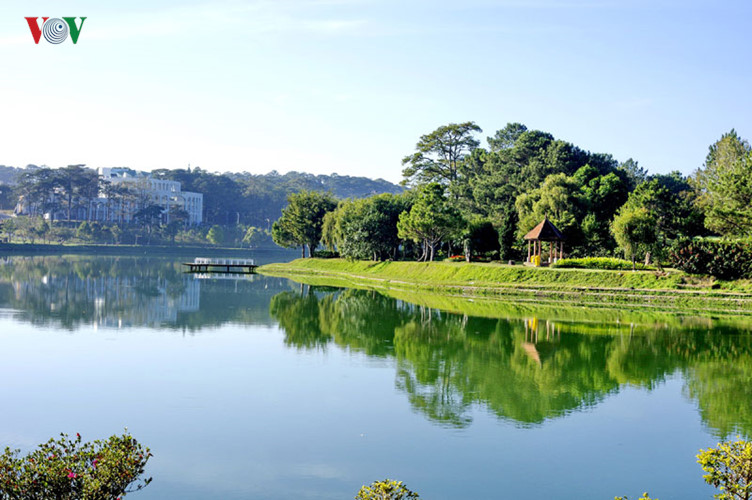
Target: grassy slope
555,287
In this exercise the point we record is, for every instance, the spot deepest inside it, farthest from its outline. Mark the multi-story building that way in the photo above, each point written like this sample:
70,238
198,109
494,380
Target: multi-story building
122,193
145,190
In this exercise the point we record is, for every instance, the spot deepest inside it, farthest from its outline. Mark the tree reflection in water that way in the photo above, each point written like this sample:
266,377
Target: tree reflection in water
525,370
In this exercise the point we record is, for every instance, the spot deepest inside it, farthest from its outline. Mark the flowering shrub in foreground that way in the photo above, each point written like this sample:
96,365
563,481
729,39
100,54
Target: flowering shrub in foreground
729,468
68,469
386,490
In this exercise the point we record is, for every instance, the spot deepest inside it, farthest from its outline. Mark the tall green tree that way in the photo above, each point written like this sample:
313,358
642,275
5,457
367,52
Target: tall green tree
366,228
506,137
439,154
302,220
634,229
560,199
725,186
76,184
431,220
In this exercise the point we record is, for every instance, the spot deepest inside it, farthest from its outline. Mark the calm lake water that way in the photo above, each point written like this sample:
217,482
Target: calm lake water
257,387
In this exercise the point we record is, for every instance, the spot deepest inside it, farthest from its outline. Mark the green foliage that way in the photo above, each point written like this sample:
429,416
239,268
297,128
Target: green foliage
430,220
725,186
597,263
68,469
633,173
643,497
366,228
723,259
560,198
635,231
385,490
255,237
506,137
440,153
670,199
84,231
216,235
728,467
325,254
302,220
479,238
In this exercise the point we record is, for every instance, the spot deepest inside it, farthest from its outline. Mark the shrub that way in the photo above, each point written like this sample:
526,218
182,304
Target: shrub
721,259
729,468
325,254
67,469
386,490
598,263
457,258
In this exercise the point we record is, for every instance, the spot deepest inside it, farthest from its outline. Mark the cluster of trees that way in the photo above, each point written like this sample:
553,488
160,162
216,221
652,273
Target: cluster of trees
484,200
229,198
238,208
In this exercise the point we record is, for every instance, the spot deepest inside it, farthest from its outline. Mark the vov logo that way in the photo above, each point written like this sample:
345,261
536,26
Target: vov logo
55,30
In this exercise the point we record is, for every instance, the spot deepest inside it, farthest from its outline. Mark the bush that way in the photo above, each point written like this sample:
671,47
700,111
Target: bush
67,469
598,263
721,259
457,258
729,468
325,254
386,490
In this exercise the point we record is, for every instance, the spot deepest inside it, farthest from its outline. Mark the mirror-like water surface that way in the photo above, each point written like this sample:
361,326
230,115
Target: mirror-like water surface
258,387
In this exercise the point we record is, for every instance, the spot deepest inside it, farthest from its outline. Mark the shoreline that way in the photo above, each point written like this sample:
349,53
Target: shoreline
674,292
160,250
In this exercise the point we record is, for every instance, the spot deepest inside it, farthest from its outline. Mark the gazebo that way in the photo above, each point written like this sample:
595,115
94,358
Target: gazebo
545,231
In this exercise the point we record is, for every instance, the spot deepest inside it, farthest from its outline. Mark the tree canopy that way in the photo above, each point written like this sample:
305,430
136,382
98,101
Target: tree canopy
302,220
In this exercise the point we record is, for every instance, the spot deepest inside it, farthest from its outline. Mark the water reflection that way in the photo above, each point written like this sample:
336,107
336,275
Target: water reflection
122,292
525,365
525,370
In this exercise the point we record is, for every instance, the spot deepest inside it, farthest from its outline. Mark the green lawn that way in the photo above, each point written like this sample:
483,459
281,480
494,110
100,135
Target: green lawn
669,290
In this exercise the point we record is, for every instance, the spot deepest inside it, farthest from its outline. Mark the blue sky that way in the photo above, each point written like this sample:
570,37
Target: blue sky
348,86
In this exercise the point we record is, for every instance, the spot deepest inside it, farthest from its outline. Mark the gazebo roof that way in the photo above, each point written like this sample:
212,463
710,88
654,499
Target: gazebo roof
545,231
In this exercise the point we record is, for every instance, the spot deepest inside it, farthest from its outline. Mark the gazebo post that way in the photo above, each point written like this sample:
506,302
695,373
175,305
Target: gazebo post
528,251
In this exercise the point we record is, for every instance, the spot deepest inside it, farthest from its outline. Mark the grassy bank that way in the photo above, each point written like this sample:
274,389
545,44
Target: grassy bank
669,291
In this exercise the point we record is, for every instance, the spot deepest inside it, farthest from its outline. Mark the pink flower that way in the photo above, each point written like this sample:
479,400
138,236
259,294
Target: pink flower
72,475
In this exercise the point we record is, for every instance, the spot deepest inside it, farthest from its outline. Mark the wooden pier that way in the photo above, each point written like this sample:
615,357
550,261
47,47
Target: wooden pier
225,266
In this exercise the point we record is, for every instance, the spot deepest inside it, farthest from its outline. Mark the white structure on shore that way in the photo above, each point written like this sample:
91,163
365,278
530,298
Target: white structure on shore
122,193
147,191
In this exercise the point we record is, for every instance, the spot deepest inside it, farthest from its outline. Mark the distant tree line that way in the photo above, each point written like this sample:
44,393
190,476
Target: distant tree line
480,202
239,208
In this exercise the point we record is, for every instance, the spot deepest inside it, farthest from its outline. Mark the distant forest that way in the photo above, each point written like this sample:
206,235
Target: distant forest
230,198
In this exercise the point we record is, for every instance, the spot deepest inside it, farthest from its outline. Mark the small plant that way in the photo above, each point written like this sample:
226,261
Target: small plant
67,469
643,497
729,468
386,490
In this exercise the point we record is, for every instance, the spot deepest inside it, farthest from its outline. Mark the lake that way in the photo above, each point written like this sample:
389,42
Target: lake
260,387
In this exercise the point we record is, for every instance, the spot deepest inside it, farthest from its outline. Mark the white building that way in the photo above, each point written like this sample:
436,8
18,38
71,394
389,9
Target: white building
146,190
